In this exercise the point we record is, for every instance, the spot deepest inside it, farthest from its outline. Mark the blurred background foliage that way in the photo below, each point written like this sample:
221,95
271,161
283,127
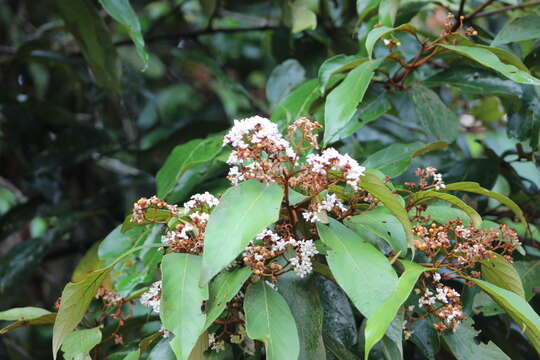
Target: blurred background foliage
87,118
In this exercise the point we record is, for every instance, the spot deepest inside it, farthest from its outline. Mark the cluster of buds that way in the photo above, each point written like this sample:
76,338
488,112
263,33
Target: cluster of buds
443,302
464,246
189,237
141,206
152,297
232,325
260,255
308,133
319,210
425,174
109,297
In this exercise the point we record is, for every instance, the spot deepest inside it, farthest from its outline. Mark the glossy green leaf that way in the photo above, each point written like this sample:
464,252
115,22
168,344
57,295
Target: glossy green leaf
283,79
376,187
334,65
520,29
476,188
296,104
518,309
342,101
441,214
472,80
182,300
379,320
464,346
222,289
387,12
83,21
488,58
358,267
378,32
423,196
243,212
78,344
122,12
302,297
381,222
498,271
337,349
269,319
363,7
393,160
433,115
184,157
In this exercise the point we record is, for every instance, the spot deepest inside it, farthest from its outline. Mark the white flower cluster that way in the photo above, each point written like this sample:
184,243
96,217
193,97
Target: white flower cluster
331,159
437,178
254,133
171,236
201,200
215,344
152,297
427,299
444,292
302,262
463,232
330,203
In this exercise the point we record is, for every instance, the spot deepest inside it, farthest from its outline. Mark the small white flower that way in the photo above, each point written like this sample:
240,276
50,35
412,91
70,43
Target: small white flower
152,297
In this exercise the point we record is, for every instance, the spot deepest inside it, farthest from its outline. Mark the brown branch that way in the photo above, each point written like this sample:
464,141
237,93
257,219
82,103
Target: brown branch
478,10
505,8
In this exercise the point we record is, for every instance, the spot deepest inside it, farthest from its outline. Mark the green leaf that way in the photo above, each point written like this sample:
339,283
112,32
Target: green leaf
488,58
184,157
269,319
363,7
283,79
78,344
337,349
423,196
498,271
342,102
222,289
378,32
426,338
76,298
334,65
474,187
23,316
302,297
381,222
463,345
472,80
433,115
182,300
529,272
22,313
302,16
394,159
379,320
518,309
243,212
122,12
441,214
387,12
89,262
519,29
358,267
83,21
296,104
376,187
